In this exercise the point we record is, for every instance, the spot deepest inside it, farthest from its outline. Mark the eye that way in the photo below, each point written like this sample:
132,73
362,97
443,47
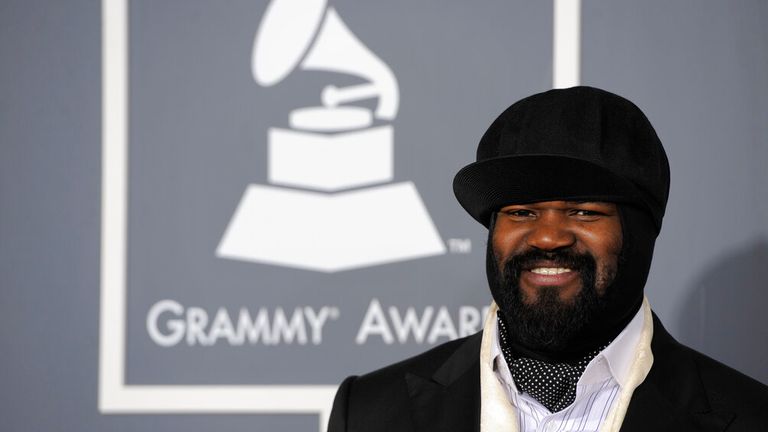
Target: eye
583,212
519,213
586,214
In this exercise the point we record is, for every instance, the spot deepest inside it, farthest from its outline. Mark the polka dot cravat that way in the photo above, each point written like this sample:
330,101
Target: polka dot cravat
552,384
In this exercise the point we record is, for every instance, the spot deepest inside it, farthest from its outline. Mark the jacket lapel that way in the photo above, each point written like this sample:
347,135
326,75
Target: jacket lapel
672,397
449,399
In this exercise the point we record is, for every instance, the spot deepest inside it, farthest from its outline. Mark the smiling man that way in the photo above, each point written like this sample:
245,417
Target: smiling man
572,185
558,258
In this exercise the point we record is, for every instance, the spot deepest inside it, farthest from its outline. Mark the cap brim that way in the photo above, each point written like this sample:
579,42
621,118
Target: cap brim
486,186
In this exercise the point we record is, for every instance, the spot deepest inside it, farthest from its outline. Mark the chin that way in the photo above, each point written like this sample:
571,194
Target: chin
566,295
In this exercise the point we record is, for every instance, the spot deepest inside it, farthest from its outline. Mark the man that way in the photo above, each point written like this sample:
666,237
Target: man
572,185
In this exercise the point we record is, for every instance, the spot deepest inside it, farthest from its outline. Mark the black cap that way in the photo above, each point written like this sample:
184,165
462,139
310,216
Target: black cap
580,143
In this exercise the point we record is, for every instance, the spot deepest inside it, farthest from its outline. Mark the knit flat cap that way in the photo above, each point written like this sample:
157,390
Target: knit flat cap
580,143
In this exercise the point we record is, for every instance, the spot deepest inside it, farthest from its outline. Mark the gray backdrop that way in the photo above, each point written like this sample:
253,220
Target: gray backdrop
198,137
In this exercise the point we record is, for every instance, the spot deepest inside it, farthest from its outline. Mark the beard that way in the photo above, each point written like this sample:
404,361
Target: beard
545,322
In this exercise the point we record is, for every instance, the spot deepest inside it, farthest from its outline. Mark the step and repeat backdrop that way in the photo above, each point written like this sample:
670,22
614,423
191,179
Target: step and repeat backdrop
225,208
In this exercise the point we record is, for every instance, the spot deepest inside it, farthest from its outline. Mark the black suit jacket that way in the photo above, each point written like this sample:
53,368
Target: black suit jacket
439,390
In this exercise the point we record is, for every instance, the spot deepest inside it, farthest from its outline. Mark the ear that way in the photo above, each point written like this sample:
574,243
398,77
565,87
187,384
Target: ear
492,224
491,264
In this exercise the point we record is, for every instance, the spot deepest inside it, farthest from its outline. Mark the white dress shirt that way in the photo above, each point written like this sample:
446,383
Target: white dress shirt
596,390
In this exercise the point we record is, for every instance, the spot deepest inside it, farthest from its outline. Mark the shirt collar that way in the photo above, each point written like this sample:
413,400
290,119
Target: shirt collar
619,354
498,363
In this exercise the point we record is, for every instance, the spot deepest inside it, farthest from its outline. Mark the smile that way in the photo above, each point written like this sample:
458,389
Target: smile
549,276
550,270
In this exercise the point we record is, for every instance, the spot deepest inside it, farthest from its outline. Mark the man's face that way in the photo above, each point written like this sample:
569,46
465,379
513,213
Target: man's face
555,227
554,262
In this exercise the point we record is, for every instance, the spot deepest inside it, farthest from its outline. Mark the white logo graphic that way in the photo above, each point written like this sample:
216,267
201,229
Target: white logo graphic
328,150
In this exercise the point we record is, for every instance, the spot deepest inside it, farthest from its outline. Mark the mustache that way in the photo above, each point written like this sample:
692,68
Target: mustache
582,262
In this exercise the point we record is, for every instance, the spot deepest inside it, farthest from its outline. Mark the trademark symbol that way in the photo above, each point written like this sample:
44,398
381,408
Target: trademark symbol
460,245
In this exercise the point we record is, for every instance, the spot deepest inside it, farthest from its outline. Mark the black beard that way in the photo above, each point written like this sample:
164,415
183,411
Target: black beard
546,323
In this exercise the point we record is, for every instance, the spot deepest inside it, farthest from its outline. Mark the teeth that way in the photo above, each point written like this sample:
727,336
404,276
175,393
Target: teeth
550,270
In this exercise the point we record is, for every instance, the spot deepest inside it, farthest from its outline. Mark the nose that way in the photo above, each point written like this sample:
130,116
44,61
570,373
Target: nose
551,232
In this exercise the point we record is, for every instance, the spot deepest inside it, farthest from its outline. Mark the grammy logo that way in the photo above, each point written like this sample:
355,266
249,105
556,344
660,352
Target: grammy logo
331,204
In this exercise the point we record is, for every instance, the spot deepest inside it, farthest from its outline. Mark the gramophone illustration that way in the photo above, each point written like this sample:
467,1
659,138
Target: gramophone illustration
330,205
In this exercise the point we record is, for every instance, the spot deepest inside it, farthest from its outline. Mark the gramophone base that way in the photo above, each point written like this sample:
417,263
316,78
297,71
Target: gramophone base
330,232
330,162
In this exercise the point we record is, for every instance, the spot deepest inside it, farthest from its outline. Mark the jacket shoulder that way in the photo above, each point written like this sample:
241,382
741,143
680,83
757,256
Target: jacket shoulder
732,391
380,400
726,384
425,364
682,373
